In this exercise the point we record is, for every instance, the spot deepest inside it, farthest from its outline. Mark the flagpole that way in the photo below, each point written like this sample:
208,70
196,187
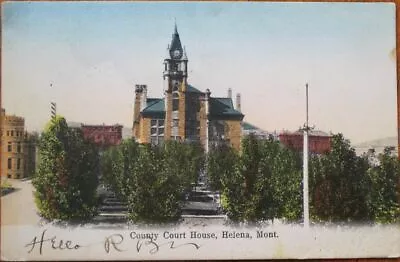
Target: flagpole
53,105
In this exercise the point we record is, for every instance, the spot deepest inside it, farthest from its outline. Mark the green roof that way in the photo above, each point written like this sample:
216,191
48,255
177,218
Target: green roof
248,126
223,107
154,106
220,108
192,89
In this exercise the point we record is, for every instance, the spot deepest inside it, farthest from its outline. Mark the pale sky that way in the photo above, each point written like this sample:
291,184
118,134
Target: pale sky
94,54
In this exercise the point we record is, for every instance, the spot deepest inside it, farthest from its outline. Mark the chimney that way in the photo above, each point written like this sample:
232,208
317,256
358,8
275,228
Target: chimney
207,99
143,102
238,103
230,93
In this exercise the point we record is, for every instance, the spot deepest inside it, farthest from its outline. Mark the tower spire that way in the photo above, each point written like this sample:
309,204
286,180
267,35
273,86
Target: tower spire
176,49
176,27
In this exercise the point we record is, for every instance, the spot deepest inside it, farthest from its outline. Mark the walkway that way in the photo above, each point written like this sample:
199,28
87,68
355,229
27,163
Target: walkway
18,207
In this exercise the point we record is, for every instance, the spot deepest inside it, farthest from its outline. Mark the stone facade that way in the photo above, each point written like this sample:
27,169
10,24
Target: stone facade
18,148
145,130
184,113
234,132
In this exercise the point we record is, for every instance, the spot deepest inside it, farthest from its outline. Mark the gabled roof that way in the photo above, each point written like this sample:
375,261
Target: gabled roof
192,89
220,108
223,107
151,101
155,106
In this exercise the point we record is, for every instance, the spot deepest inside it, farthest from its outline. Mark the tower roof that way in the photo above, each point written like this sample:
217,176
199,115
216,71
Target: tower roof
176,41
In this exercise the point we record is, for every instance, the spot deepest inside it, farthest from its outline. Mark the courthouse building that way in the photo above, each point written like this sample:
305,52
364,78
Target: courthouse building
184,112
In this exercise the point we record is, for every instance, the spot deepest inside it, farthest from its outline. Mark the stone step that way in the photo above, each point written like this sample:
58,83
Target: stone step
206,216
113,203
113,209
111,218
117,214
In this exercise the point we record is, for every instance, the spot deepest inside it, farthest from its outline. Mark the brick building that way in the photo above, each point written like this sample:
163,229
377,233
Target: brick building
103,135
18,148
319,142
184,113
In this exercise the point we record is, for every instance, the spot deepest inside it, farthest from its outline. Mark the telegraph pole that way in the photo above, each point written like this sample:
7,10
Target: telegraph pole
306,214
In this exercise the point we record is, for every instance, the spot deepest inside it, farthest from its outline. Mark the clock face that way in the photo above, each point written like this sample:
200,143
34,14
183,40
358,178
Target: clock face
177,54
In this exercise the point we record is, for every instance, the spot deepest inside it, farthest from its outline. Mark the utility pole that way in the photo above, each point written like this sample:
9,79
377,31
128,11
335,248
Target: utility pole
306,214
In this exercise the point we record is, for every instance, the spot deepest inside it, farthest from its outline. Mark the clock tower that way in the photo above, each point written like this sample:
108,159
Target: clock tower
175,84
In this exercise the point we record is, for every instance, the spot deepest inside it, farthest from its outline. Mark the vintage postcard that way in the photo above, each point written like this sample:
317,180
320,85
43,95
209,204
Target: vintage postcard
198,130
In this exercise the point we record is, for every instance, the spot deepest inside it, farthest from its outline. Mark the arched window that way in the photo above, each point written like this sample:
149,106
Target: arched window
175,101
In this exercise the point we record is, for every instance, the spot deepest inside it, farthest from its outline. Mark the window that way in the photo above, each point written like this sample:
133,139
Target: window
157,131
9,147
8,176
9,163
12,132
19,147
8,133
175,102
18,163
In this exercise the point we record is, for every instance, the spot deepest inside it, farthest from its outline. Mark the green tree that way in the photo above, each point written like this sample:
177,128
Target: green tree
67,176
339,184
117,165
152,179
221,160
286,180
384,194
260,183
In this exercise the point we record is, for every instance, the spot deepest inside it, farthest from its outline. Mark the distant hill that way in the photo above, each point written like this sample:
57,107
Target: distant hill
377,144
